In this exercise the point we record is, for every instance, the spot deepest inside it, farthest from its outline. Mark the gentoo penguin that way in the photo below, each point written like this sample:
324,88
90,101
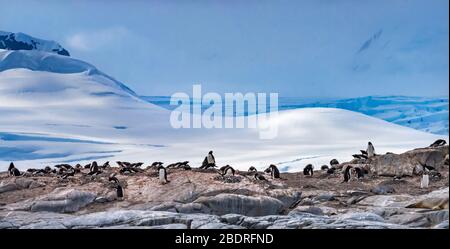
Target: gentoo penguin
252,169
425,179
209,161
259,177
324,167
226,170
308,170
70,172
370,150
113,178
13,171
273,170
119,191
359,172
438,143
93,170
162,175
363,152
105,165
334,162
347,174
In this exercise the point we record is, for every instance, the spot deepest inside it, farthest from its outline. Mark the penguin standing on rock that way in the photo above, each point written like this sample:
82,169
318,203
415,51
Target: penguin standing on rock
209,161
119,192
13,171
308,170
437,143
370,150
347,174
259,177
273,170
162,175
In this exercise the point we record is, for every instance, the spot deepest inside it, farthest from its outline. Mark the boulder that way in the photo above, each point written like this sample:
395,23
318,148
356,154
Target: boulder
239,204
403,164
66,201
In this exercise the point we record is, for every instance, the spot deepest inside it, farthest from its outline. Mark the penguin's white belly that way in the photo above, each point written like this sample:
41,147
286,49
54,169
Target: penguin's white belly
161,175
425,181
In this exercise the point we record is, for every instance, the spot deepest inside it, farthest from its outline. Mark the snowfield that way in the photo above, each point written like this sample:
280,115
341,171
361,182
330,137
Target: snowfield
55,109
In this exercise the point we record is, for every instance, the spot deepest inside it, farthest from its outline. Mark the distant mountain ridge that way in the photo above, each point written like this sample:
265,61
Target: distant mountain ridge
21,41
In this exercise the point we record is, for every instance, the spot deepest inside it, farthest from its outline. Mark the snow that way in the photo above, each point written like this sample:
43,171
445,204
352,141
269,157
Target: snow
37,44
57,109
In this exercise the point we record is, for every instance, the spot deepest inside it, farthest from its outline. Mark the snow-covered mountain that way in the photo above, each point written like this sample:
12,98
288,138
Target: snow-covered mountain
58,109
21,41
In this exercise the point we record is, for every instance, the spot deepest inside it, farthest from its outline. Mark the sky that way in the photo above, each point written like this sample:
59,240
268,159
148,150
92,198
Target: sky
320,48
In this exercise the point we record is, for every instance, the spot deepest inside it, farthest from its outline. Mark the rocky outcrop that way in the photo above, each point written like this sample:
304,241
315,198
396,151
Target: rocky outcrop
19,183
403,164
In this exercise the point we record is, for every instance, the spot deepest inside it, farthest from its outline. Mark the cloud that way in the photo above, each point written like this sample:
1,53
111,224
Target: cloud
96,39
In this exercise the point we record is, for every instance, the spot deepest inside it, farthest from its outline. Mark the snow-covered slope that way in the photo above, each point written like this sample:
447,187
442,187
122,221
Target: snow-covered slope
56,109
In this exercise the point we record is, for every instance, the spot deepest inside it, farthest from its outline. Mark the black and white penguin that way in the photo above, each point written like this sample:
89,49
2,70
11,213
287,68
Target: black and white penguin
93,170
113,178
359,172
347,174
273,170
226,170
252,169
334,162
308,170
13,171
259,177
363,152
119,192
370,150
324,167
437,143
162,175
209,161
106,165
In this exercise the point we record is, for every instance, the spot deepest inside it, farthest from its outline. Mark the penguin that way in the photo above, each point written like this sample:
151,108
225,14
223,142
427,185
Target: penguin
356,156
113,178
370,150
68,173
93,170
162,175
185,165
225,170
324,167
359,172
273,170
209,161
259,177
136,165
87,166
363,152
425,180
308,170
347,174
252,169
13,171
334,162
331,170
119,192
437,143
106,165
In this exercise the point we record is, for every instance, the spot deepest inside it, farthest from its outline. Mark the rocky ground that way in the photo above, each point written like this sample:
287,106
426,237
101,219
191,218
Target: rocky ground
202,199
